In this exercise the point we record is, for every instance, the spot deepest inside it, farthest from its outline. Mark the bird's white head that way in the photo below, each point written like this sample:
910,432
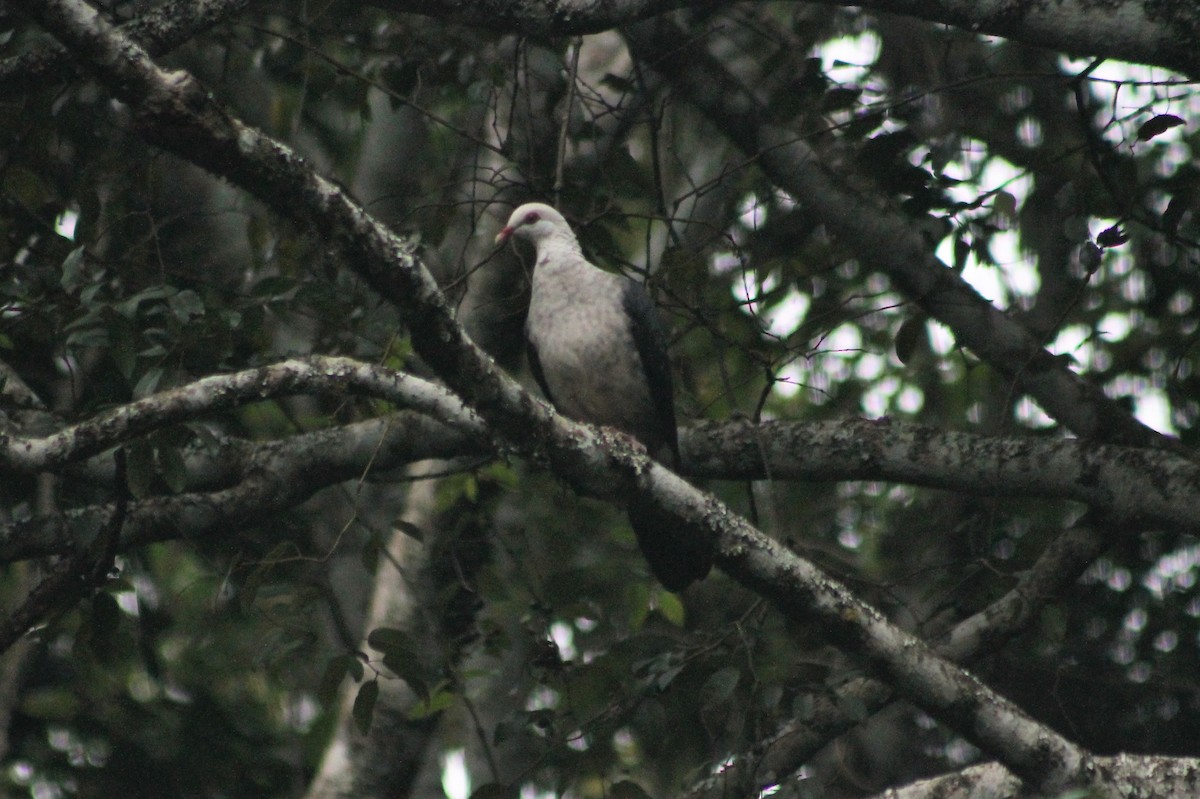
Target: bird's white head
536,222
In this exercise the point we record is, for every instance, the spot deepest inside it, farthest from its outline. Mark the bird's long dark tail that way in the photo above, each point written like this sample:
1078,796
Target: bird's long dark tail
678,555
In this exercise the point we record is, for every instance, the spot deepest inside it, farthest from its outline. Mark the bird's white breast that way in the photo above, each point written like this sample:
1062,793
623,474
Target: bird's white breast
579,327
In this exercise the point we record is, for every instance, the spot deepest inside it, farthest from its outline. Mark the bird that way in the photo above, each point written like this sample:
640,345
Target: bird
598,351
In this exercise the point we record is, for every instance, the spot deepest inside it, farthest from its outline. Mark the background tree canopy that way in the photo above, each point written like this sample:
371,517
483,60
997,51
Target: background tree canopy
273,526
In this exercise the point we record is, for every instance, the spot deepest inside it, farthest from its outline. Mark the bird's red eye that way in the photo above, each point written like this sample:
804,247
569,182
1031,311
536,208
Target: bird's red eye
531,217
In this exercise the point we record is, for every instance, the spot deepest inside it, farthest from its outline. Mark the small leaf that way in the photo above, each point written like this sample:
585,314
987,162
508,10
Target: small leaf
185,305
364,705
719,686
103,624
1112,237
401,654
1157,125
147,384
664,680
1004,204
839,98
335,672
72,271
1090,257
627,789
908,337
439,701
962,249
411,530
1173,215
389,639
671,608
494,790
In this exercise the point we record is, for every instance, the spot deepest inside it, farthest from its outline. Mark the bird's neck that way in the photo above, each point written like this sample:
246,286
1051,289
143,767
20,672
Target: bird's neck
558,250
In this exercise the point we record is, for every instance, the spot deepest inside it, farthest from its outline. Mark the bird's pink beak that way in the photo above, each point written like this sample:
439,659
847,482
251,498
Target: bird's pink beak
504,234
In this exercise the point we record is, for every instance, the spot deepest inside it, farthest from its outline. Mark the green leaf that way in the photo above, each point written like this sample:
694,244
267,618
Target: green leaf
719,686
441,699
73,271
670,606
148,383
364,705
128,308
186,305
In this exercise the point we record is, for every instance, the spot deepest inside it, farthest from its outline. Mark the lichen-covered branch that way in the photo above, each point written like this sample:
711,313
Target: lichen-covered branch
321,374
274,477
795,743
1136,488
159,30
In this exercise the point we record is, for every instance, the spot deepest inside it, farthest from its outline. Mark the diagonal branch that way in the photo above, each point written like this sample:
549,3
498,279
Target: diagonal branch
159,30
887,242
796,742
173,111
84,570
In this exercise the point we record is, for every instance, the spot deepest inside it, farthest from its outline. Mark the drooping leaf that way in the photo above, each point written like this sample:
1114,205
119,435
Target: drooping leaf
1157,125
364,705
911,331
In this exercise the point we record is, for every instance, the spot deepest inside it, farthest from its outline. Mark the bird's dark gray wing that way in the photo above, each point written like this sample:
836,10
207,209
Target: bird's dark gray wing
650,338
535,366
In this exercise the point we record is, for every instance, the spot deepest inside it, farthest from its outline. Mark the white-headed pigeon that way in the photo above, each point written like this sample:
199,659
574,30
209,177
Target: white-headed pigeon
599,353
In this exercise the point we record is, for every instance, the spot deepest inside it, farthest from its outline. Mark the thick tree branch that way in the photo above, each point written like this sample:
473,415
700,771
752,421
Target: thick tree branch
1136,488
1142,777
887,242
1141,31
172,111
160,30
796,742
84,570
220,392
278,476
